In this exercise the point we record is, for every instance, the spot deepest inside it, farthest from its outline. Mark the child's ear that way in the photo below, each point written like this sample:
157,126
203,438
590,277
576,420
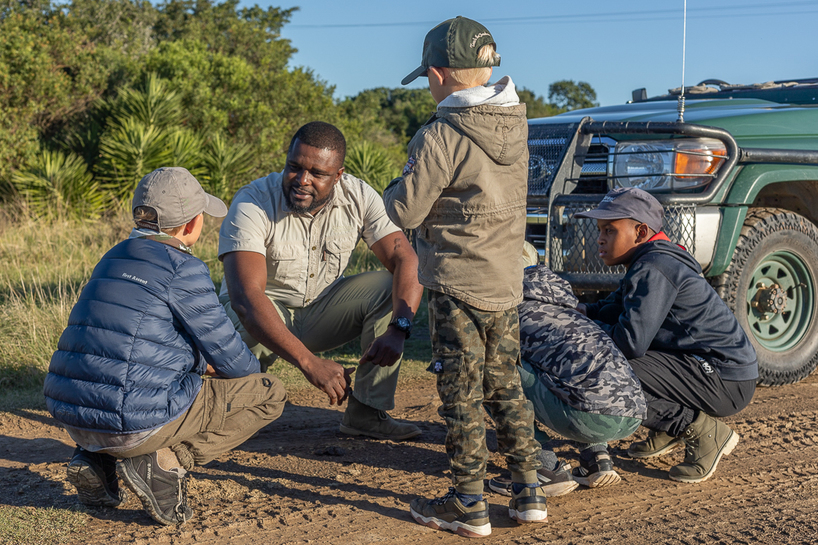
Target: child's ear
191,225
440,74
643,232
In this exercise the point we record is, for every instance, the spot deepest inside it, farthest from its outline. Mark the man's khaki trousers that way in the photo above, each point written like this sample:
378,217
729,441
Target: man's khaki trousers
359,305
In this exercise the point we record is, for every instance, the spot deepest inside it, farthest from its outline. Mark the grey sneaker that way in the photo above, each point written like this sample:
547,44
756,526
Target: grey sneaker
449,513
596,472
94,476
163,492
360,419
528,505
657,443
554,483
706,441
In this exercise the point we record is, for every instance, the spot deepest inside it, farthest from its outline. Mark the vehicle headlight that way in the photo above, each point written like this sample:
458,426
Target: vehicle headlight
667,165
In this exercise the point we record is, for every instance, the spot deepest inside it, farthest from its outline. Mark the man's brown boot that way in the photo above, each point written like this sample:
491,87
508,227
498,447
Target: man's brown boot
657,443
706,441
360,419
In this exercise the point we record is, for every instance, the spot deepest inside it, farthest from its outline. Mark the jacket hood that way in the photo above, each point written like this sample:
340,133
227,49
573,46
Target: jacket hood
669,248
492,118
541,284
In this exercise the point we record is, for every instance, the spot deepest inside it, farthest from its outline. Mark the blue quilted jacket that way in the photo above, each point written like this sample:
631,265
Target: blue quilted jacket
138,340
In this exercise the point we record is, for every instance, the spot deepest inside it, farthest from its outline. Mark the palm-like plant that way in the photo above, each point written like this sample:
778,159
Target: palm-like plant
58,184
226,167
372,164
154,104
131,151
143,135
186,151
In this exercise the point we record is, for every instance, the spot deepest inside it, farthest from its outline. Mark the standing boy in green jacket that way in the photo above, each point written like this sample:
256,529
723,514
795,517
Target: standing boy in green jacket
464,190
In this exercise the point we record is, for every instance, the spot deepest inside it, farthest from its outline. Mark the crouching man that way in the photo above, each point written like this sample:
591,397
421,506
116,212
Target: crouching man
127,379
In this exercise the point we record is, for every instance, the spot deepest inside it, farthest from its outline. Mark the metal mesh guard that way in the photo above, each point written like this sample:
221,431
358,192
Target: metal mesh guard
546,145
574,247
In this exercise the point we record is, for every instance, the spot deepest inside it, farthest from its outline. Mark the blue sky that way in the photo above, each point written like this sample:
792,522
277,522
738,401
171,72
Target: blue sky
614,46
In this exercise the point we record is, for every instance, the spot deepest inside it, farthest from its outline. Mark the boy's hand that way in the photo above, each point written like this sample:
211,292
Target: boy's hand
386,349
330,377
582,308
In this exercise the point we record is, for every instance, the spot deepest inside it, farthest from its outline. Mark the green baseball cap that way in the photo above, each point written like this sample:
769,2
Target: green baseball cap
453,44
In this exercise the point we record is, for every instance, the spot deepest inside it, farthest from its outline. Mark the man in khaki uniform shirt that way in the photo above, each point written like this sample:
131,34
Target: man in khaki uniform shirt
285,244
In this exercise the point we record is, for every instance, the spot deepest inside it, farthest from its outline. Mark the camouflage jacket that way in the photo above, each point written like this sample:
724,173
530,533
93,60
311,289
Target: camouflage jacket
576,360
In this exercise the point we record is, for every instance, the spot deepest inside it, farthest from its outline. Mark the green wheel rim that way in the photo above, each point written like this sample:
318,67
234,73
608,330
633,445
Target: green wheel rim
781,331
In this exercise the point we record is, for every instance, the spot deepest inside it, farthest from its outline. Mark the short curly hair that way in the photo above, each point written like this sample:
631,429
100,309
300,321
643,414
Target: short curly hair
321,135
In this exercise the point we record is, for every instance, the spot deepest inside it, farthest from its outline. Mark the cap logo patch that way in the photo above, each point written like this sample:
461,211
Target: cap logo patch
477,37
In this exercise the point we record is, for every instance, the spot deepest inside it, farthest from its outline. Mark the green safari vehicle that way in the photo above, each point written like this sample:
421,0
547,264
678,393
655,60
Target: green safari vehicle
739,182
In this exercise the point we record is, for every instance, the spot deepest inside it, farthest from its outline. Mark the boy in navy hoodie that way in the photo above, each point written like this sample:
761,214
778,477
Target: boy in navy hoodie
683,342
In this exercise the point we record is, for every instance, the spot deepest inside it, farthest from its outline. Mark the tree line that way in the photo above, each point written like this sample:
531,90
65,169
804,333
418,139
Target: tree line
96,93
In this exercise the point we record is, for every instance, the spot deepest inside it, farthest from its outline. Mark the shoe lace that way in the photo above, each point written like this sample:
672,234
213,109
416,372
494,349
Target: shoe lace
179,508
690,447
446,497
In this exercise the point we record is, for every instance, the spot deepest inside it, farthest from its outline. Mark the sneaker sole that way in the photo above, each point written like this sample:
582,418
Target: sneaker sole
670,446
90,488
142,491
600,478
728,447
352,431
459,528
528,516
551,491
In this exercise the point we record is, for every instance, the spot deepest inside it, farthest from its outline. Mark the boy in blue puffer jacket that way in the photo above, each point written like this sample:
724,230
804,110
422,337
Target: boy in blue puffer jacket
150,370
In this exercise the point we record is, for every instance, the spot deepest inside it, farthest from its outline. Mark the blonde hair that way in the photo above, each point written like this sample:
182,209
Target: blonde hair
474,77
146,215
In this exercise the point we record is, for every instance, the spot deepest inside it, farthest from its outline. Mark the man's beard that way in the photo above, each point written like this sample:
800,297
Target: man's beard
302,209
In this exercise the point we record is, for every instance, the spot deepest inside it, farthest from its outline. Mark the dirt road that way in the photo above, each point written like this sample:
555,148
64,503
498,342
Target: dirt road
300,481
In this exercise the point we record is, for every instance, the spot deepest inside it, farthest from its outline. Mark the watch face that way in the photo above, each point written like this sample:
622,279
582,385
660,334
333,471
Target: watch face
403,323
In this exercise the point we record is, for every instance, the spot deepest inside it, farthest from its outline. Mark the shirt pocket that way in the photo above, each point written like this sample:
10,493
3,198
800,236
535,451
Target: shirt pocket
285,263
338,251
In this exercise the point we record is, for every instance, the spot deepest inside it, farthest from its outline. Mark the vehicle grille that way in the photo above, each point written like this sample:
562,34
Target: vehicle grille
574,248
547,145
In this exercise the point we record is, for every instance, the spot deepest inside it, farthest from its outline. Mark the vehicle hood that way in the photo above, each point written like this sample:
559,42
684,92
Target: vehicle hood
752,122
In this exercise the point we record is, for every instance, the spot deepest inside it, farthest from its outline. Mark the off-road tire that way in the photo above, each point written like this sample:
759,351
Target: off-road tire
767,231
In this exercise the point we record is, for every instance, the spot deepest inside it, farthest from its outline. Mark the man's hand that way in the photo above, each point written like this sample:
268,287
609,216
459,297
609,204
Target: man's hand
329,377
386,349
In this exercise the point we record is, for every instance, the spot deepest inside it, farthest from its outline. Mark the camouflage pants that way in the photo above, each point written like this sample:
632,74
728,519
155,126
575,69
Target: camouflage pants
475,355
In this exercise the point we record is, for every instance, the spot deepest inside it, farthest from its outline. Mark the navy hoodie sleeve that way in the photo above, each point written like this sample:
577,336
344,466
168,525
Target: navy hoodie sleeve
647,296
192,298
612,301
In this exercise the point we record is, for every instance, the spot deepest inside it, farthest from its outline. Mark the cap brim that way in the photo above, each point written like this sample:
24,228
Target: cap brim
215,207
598,214
419,71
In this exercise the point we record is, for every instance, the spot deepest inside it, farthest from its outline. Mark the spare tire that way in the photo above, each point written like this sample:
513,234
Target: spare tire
770,285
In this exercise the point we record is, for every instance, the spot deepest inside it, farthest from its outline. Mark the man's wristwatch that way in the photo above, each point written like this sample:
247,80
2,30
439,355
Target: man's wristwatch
402,324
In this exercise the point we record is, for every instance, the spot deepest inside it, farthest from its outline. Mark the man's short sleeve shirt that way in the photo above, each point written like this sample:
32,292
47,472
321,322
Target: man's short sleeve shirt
306,254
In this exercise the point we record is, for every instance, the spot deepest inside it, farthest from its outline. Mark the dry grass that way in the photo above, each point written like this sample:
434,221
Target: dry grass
45,266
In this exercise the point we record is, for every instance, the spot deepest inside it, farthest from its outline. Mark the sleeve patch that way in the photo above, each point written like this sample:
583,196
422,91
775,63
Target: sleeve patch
409,168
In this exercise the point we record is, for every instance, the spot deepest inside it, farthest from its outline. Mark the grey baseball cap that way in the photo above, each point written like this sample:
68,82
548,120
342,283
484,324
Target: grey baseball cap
454,43
628,203
176,196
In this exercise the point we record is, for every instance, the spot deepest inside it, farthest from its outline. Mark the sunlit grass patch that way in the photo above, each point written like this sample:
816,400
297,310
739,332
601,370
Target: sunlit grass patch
36,526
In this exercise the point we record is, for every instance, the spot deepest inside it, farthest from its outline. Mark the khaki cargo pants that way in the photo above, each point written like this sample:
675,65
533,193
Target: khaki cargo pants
225,414
359,305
